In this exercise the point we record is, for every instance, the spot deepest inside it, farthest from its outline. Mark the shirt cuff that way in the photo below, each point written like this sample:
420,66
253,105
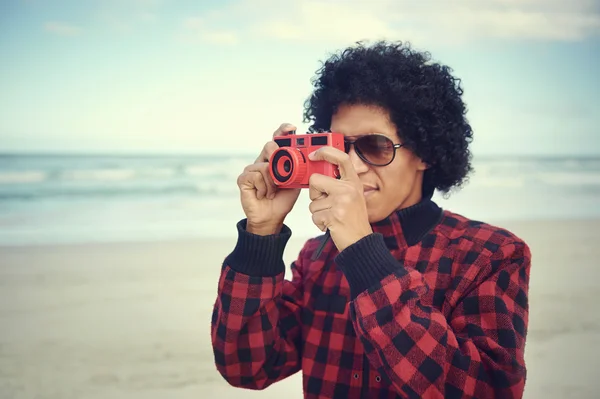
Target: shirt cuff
256,255
366,262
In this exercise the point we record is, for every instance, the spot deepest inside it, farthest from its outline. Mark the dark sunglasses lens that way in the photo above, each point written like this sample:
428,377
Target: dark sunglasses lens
347,146
377,149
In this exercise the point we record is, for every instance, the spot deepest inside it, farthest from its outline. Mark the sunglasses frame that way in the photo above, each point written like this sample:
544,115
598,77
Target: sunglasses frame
350,143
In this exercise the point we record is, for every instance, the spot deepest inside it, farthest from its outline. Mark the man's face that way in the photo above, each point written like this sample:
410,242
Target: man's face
386,188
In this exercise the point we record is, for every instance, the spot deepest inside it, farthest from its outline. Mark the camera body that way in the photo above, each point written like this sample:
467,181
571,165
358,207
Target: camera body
289,165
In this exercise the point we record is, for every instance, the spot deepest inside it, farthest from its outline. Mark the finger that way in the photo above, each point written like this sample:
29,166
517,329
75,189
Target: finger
284,129
321,186
268,180
259,182
320,205
253,180
268,150
336,157
263,169
321,219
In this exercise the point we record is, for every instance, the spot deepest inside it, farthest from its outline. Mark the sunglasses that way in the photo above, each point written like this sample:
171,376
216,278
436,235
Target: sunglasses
374,149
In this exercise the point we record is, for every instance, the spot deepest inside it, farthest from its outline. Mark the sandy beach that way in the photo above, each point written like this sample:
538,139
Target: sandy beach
132,320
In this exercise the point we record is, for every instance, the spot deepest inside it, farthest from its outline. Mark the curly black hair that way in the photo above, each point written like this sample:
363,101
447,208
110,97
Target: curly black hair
423,100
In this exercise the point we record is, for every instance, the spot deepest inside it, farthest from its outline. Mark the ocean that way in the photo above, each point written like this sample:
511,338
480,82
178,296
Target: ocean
64,199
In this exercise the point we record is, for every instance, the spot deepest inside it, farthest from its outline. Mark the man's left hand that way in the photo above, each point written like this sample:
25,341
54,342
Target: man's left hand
338,204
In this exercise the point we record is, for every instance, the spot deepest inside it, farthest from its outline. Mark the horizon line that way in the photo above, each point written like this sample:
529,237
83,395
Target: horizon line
188,153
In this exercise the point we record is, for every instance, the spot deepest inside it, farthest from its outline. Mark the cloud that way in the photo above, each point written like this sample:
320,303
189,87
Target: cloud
424,22
61,29
521,20
199,30
126,16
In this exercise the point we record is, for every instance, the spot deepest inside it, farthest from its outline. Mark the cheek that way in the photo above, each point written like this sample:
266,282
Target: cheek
398,177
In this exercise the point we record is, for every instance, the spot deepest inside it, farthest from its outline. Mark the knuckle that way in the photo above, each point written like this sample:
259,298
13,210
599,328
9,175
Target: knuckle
261,166
261,176
315,218
344,199
338,213
241,179
348,197
255,177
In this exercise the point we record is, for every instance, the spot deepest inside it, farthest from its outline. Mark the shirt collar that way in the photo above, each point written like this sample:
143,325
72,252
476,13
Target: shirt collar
406,227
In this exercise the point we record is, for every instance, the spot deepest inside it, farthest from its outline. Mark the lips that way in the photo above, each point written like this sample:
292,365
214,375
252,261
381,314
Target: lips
368,189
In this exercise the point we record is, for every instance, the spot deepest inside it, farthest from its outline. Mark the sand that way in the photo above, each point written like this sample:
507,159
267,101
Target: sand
132,320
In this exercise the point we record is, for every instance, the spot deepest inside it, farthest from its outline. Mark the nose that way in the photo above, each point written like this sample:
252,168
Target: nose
359,165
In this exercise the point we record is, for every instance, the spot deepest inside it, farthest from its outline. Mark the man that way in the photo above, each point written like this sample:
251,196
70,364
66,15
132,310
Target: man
400,298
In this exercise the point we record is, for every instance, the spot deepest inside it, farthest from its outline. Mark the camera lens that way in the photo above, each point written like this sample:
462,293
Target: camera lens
281,165
287,166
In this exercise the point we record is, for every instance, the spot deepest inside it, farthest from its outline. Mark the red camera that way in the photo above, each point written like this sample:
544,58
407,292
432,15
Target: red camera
289,165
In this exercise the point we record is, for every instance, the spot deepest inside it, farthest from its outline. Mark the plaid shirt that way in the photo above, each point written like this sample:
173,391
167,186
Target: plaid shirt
431,305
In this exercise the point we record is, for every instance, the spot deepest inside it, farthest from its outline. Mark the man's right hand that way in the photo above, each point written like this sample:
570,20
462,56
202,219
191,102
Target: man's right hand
264,204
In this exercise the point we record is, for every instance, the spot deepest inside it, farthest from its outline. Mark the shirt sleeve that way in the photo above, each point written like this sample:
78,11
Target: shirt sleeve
475,351
255,328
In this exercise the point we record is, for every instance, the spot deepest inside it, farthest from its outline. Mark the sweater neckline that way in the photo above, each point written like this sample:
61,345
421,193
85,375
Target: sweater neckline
407,226
403,228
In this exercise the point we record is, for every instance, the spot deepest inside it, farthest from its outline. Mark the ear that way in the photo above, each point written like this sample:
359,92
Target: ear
422,166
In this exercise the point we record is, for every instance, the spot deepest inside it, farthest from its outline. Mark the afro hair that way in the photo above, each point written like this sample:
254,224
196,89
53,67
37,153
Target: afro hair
422,98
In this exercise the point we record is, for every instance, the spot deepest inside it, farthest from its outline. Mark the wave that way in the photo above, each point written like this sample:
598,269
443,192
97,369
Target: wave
33,176
570,179
123,191
38,177
214,170
498,182
554,179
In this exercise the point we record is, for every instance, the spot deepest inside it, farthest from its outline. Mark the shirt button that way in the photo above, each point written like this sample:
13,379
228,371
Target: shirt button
378,379
356,376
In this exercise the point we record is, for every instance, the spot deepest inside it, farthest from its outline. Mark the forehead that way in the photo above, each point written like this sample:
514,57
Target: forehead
359,120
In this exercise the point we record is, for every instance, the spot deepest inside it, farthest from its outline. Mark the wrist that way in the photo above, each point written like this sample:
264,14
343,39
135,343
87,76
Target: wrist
366,262
264,229
256,255
353,240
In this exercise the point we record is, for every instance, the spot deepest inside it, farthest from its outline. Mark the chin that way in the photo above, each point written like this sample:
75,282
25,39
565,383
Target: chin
375,217
374,213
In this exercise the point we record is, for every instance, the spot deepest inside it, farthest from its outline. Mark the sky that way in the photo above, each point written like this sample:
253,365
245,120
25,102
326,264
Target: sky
167,76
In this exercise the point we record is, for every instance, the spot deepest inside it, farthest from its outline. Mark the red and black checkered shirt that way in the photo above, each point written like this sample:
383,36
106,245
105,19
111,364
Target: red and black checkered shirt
430,305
